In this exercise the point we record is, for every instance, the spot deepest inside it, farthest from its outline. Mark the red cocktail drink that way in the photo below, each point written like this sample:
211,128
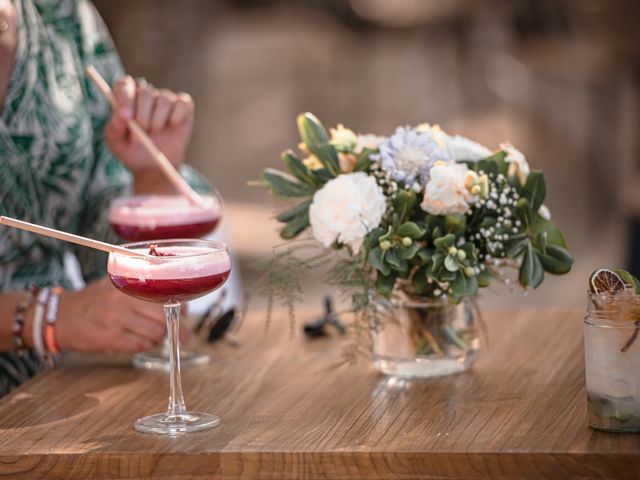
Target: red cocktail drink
184,274
171,272
157,217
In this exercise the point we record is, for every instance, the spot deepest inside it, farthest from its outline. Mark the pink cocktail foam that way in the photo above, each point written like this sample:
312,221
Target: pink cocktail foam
188,262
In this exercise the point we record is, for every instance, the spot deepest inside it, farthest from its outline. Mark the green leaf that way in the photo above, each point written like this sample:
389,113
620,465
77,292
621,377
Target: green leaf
629,279
446,275
295,226
409,252
376,260
299,170
556,260
455,223
385,284
524,211
487,222
363,161
425,256
470,249
554,235
464,286
535,190
540,241
315,137
451,264
293,212
531,270
387,236
419,281
323,175
403,203
445,242
411,230
517,247
395,259
373,237
438,261
284,185
484,278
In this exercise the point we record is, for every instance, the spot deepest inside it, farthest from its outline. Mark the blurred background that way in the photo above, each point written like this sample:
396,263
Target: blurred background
560,79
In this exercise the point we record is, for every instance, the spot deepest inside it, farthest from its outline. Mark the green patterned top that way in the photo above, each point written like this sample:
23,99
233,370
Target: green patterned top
55,168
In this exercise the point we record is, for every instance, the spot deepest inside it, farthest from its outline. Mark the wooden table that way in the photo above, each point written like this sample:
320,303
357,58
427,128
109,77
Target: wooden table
286,414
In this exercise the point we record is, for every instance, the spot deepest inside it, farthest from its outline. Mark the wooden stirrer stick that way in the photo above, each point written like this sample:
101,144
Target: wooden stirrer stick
161,159
68,237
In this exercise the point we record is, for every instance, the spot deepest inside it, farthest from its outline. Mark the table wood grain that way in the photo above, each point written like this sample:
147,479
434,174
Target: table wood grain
286,414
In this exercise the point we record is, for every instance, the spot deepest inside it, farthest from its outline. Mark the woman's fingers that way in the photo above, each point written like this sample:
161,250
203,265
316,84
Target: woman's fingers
146,325
182,109
126,341
124,91
164,104
145,98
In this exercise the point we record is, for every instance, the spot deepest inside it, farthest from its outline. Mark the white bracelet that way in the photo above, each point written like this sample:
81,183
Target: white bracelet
38,319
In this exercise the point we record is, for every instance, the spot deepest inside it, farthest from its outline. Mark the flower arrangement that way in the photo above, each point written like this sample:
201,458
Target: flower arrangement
421,210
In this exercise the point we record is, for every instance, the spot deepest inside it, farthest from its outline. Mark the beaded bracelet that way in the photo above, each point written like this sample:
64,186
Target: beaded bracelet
52,316
17,328
38,318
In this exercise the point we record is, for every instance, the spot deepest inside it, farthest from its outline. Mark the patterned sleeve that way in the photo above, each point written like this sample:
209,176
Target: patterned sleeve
109,178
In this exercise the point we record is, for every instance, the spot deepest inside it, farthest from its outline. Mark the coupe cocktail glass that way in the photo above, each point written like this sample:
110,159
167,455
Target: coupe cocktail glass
155,217
185,270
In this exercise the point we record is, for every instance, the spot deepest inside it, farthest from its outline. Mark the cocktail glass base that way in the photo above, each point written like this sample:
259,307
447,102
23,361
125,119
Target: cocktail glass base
166,424
158,359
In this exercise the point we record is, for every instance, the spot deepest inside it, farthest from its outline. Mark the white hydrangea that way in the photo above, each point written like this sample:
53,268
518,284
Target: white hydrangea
446,192
346,208
518,165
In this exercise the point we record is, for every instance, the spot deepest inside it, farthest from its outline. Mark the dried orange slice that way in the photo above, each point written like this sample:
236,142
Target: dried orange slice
604,280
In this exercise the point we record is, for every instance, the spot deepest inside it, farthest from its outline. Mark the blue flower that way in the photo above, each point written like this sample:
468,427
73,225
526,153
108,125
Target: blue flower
408,155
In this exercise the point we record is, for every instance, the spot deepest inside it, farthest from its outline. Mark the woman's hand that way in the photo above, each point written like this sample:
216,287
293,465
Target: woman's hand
166,116
102,319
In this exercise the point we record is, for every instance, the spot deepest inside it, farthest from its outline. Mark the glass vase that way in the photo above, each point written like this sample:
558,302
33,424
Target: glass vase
425,338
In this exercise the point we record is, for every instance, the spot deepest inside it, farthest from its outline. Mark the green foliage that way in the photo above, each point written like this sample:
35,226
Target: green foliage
315,137
280,280
294,212
296,225
285,185
299,170
535,190
403,204
629,279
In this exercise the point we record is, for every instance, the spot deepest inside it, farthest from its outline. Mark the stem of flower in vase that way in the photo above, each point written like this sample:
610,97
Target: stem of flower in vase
176,406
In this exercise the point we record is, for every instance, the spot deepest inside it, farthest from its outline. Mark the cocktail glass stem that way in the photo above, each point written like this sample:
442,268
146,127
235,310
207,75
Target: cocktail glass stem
176,399
177,419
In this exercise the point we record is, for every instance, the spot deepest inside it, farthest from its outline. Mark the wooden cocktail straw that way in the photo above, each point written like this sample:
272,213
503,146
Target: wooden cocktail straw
68,237
163,162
